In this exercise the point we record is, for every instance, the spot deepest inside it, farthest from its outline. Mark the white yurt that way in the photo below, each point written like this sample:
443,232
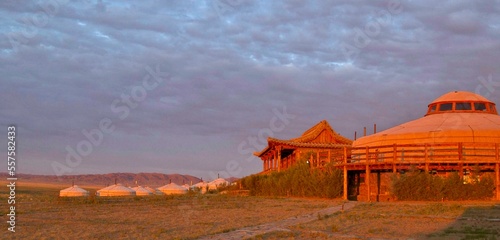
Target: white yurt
202,186
172,188
115,191
141,191
154,190
219,182
73,191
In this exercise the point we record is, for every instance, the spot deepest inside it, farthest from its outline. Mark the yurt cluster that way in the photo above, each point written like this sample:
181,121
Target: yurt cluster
119,190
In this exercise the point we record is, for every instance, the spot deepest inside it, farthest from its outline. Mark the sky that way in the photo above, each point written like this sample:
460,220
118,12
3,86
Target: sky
194,87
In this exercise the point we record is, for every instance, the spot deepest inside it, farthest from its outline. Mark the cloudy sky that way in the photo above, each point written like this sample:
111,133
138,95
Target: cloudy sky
194,87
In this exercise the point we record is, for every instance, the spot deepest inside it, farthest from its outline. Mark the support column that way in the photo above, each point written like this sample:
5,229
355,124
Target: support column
460,164
394,158
367,181
367,173
497,173
426,160
279,159
345,172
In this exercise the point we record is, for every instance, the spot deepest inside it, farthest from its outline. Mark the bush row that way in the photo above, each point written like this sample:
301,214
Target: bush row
299,181
416,185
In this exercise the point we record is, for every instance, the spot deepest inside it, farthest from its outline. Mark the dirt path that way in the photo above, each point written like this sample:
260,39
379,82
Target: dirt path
282,225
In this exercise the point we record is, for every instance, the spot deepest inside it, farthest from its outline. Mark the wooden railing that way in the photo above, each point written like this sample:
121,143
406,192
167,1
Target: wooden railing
442,152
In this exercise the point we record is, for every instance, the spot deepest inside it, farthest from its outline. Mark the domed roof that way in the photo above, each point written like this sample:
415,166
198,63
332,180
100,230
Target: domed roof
172,188
460,96
73,191
116,190
141,191
444,125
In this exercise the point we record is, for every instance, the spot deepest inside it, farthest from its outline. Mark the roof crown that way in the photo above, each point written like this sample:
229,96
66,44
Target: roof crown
461,102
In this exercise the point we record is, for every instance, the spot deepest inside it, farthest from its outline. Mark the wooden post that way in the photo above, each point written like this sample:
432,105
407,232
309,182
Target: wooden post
317,158
264,165
497,173
394,158
345,173
367,181
460,163
426,160
367,173
279,159
364,131
329,156
374,128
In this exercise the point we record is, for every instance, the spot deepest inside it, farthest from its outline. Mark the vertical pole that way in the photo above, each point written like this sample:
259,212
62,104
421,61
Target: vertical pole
374,128
279,159
426,160
355,135
329,156
364,131
394,158
367,173
345,173
317,158
497,171
460,164
264,165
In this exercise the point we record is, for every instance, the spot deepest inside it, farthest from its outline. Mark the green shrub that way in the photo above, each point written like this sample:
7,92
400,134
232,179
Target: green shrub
420,186
299,180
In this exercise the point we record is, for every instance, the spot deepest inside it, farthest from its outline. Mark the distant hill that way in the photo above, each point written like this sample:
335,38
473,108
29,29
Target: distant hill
127,179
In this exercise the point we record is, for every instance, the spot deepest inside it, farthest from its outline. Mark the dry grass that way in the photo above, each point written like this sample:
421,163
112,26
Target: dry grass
43,215
403,220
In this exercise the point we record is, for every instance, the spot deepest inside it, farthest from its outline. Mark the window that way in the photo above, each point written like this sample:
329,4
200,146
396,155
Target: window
446,107
432,108
480,106
493,108
463,106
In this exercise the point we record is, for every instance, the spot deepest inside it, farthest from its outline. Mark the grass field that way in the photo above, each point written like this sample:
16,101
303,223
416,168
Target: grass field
41,214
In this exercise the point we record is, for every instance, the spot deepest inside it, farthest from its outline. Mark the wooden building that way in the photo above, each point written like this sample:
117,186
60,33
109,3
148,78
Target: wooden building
326,145
459,133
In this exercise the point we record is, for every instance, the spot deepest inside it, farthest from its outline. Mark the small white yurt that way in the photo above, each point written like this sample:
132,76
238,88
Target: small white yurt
73,191
202,186
154,190
219,182
115,191
141,191
172,188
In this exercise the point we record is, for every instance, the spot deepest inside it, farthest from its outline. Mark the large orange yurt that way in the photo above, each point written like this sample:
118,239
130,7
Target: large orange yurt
455,117
459,127
459,132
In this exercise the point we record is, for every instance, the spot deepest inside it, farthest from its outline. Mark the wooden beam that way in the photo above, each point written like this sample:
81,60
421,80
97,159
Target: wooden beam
497,173
367,173
345,172
426,156
279,159
394,158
